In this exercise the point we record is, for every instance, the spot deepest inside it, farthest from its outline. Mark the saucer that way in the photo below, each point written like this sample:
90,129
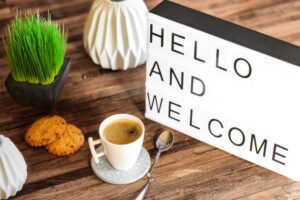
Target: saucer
107,173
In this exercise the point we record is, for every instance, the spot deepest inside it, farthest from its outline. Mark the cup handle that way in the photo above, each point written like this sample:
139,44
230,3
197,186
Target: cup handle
92,144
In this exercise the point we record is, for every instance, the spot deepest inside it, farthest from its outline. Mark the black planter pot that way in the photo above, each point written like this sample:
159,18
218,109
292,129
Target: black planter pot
36,95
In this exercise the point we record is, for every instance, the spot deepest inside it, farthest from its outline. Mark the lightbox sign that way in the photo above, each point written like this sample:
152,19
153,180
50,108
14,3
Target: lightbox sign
226,85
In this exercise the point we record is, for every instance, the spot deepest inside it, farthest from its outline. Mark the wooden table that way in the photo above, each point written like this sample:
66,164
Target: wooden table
192,169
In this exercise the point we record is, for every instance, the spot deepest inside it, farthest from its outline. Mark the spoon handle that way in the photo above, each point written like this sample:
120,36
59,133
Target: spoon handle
153,163
144,192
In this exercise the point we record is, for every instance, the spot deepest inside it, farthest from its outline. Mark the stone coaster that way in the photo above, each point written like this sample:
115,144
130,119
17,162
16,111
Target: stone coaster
107,173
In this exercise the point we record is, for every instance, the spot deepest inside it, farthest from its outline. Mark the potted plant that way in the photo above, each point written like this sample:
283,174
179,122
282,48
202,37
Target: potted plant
36,48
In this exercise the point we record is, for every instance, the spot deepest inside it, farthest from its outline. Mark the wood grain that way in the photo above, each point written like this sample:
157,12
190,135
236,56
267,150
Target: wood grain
192,169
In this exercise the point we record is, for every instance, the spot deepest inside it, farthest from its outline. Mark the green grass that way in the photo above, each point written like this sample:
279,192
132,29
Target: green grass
36,48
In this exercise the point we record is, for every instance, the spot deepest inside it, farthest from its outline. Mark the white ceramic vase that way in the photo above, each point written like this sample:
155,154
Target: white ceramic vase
115,33
13,169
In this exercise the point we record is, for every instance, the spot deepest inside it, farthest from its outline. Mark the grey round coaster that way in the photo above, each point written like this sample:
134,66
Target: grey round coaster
107,173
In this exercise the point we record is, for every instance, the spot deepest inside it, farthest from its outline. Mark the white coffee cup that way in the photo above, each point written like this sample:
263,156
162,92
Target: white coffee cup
120,156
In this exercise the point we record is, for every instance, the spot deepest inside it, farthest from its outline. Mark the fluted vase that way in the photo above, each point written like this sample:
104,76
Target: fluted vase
13,169
115,33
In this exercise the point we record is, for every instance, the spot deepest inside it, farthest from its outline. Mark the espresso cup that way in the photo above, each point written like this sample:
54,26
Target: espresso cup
120,156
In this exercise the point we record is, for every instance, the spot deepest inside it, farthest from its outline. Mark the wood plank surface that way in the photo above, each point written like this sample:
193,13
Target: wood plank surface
191,169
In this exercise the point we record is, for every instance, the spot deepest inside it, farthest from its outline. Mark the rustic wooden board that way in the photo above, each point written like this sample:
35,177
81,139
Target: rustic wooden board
192,169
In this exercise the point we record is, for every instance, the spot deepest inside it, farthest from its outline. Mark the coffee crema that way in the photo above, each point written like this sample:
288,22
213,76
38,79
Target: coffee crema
122,131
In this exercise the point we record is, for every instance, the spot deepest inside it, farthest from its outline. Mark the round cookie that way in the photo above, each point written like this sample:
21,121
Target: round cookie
45,130
70,141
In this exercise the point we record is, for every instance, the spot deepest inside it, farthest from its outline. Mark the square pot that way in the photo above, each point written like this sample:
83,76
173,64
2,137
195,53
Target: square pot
37,95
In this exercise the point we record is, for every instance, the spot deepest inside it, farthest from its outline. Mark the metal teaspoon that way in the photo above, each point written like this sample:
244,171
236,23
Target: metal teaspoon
163,143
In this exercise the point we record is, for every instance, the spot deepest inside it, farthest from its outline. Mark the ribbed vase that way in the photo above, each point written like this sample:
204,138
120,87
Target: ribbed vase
13,169
115,33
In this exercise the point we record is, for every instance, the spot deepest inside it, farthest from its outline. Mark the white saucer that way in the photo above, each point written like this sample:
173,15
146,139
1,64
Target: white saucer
107,173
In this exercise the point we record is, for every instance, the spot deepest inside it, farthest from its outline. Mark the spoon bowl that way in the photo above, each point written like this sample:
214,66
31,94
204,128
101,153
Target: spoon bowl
164,141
